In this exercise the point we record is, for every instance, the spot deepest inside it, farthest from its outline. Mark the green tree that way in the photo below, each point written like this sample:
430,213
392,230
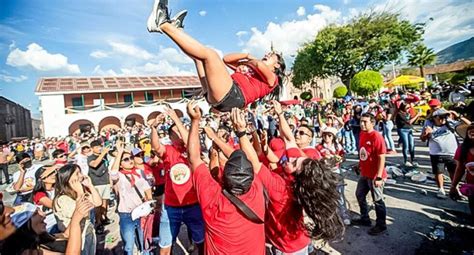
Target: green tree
366,82
340,92
369,41
458,78
420,56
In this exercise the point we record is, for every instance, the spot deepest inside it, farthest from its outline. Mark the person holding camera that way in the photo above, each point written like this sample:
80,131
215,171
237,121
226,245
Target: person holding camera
24,180
442,142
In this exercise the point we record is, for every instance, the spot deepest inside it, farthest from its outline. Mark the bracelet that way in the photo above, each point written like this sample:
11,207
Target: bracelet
239,134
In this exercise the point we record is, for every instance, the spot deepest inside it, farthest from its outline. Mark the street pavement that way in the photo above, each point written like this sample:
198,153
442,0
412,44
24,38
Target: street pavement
413,210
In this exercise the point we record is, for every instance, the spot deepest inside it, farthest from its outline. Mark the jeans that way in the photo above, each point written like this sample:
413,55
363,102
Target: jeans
343,212
131,233
356,138
387,135
172,218
408,141
4,170
364,185
349,141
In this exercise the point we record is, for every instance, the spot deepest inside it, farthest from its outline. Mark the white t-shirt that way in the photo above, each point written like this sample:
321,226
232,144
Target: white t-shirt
39,147
81,161
29,180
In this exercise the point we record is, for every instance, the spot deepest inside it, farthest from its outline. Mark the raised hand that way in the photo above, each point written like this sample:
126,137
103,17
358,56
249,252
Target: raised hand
158,120
171,113
83,207
277,107
238,120
210,133
86,181
193,110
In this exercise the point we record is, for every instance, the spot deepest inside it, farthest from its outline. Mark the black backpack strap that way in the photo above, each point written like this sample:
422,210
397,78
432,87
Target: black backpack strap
136,189
249,213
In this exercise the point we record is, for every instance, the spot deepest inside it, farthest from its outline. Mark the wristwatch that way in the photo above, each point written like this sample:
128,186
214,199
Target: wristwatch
378,178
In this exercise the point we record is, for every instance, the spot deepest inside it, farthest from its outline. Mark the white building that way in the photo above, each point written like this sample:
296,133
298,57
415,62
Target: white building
72,104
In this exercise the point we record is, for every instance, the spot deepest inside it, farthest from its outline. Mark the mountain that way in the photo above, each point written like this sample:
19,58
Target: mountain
460,51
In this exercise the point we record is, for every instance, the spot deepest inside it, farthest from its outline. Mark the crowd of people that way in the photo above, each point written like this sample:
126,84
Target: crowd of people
271,171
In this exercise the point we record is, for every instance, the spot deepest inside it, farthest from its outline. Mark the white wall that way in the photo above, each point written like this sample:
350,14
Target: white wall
52,107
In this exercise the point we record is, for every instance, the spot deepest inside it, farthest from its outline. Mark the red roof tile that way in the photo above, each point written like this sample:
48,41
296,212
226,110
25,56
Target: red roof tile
91,84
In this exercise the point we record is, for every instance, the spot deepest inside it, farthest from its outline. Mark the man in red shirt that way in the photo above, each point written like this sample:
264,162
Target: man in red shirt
228,229
373,173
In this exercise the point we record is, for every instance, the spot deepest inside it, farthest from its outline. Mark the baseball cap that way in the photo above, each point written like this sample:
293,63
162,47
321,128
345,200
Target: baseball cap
330,130
440,112
22,214
434,102
238,173
136,151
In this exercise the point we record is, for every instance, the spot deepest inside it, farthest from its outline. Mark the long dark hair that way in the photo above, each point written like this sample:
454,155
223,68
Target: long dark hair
62,182
466,145
315,191
39,185
280,73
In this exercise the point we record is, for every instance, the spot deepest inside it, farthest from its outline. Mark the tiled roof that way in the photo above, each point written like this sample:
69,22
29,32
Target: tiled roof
91,84
451,67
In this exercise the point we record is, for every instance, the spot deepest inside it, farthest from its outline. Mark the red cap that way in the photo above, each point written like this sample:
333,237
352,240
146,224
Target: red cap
434,102
277,145
293,153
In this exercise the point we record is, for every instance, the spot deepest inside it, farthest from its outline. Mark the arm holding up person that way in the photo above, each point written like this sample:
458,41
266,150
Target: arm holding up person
223,146
284,127
155,139
194,146
179,124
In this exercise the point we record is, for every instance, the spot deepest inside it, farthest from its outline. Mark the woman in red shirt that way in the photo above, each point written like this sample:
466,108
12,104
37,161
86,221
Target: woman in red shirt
252,80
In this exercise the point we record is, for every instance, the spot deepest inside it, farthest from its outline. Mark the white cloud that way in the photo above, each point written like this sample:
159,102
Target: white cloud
38,58
99,54
162,67
173,55
98,71
241,33
301,11
289,35
7,78
203,13
130,50
346,2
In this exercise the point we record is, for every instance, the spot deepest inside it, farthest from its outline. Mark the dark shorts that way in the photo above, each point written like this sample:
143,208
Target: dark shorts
233,99
439,162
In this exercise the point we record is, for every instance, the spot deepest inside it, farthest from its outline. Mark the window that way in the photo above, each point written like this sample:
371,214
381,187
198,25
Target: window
148,96
77,102
127,98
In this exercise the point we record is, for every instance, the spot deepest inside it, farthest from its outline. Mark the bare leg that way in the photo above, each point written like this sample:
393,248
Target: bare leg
218,79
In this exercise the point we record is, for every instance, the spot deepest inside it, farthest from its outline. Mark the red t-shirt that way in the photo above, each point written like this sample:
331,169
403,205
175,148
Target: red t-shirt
284,223
371,146
470,158
312,153
38,196
253,86
227,230
179,190
157,170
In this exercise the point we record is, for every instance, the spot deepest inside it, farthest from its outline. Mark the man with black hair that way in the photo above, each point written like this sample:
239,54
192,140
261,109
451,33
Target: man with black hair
228,230
373,174
24,180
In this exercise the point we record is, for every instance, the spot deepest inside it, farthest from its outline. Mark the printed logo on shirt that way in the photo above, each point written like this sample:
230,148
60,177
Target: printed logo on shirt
180,173
363,154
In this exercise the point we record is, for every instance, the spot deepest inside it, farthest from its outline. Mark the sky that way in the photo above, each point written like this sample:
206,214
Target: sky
109,37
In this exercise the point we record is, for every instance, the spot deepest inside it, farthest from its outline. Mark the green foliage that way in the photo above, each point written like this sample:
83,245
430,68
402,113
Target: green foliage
369,41
410,71
340,92
458,78
445,76
421,56
366,82
306,95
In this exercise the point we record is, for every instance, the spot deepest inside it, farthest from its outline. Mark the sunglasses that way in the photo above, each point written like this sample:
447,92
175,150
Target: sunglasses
301,132
127,159
62,156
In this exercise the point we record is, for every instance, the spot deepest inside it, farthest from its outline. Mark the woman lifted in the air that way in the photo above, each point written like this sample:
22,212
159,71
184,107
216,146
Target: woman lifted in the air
253,79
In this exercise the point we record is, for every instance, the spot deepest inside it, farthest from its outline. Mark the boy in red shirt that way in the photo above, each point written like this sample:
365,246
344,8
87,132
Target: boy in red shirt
373,173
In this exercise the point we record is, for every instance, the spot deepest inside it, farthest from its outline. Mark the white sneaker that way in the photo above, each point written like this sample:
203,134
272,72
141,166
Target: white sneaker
408,164
158,16
347,222
441,194
415,164
178,19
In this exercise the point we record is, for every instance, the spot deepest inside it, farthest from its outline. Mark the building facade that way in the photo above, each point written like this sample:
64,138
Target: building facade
71,105
15,120
319,88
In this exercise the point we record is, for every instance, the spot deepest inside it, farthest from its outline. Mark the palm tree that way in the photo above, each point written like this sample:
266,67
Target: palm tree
420,56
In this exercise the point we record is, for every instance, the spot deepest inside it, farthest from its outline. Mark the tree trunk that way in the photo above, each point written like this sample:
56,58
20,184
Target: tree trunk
347,82
422,73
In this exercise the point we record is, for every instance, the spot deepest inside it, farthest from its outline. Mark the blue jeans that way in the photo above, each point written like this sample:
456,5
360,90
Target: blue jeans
349,141
172,218
364,186
387,135
131,233
408,141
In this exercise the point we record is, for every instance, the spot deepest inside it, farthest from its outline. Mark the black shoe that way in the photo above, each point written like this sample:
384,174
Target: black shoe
361,222
377,230
100,230
106,222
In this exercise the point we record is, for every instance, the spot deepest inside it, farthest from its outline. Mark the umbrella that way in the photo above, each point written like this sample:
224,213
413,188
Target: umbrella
404,80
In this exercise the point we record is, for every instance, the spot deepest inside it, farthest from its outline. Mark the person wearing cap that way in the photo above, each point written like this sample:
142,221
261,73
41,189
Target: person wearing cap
373,174
438,131
228,231
138,158
181,203
464,158
99,174
43,194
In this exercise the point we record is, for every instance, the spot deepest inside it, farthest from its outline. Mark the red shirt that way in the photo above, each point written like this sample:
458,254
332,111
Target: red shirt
38,196
253,86
157,174
284,223
179,190
227,230
372,145
312,153
469,158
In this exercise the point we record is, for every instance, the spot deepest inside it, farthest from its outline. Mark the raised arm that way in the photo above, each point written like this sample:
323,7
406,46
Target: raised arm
238,119
155,139
232,59
285,129
96,162
179,124
194,146
223,146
